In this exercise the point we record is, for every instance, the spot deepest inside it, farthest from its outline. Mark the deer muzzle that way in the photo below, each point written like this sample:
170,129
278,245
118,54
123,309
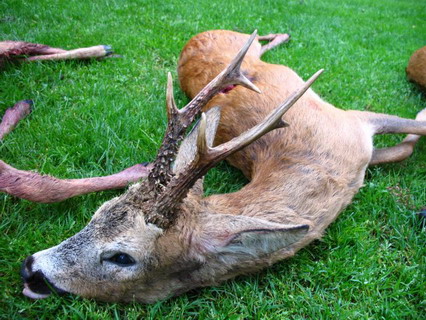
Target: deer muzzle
36,285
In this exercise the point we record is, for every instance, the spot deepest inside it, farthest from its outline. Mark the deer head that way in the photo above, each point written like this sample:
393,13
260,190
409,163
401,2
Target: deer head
161,237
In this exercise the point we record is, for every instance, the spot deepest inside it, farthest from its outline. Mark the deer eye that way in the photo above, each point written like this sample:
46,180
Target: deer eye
121,259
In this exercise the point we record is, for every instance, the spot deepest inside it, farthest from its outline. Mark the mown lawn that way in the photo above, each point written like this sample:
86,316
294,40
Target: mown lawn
96,118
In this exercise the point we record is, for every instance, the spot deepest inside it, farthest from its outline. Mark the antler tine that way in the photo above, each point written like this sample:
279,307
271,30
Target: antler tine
172,110
179,120
161,172
271,122
207,156
231,75
202,144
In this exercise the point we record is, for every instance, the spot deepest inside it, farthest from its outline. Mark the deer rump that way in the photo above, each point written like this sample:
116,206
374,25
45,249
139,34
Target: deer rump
163,237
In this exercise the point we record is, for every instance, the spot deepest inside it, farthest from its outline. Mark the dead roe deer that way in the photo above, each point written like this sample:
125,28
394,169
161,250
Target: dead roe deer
162,237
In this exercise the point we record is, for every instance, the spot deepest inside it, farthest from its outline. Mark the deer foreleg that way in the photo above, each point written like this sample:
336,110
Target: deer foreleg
82,53
13,115
17,50
274,41
46,189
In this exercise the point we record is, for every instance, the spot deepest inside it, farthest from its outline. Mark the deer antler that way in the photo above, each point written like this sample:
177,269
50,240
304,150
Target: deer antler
207,156
179,120
165,190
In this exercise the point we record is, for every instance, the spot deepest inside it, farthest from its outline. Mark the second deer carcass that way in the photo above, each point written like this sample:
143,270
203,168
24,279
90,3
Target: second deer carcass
163,237
416,68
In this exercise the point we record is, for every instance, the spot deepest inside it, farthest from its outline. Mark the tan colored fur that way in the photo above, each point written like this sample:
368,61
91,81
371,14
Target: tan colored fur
288,166
301,178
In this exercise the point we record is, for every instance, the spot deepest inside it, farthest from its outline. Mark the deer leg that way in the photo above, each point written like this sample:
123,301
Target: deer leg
13,115
396,153
16,50
81,53
383,123
274,41
20,48
46,189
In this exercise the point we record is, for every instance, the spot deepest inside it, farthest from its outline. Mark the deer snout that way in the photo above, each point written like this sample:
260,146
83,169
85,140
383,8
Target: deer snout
36,285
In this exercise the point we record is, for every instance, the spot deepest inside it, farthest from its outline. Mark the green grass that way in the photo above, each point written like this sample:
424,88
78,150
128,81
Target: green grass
96,118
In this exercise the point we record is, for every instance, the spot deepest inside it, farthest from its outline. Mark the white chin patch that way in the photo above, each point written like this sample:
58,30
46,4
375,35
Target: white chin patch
30,294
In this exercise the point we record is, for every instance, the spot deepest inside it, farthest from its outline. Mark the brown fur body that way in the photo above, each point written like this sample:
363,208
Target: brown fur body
416,69
300,173
301,178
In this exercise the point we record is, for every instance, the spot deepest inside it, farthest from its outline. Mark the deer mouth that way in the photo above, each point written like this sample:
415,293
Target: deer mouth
33,295
41,290
36,285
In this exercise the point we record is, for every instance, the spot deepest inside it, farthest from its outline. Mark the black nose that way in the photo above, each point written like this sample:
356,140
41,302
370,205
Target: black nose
26,268
36,281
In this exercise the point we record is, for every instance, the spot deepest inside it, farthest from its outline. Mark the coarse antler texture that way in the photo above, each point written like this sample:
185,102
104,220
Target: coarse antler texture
180,120
208,156
164,237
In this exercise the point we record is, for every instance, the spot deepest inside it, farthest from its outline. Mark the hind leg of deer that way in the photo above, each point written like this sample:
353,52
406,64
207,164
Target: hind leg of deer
274,41
396,153
383,123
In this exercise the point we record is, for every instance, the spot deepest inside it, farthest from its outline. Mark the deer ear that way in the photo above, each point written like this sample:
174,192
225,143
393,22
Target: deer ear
188,147
246,235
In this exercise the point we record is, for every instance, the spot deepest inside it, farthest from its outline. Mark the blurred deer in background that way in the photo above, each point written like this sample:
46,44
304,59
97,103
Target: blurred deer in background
416,69
163,237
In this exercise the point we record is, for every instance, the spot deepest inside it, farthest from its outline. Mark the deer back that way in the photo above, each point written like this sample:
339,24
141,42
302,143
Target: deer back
287,166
